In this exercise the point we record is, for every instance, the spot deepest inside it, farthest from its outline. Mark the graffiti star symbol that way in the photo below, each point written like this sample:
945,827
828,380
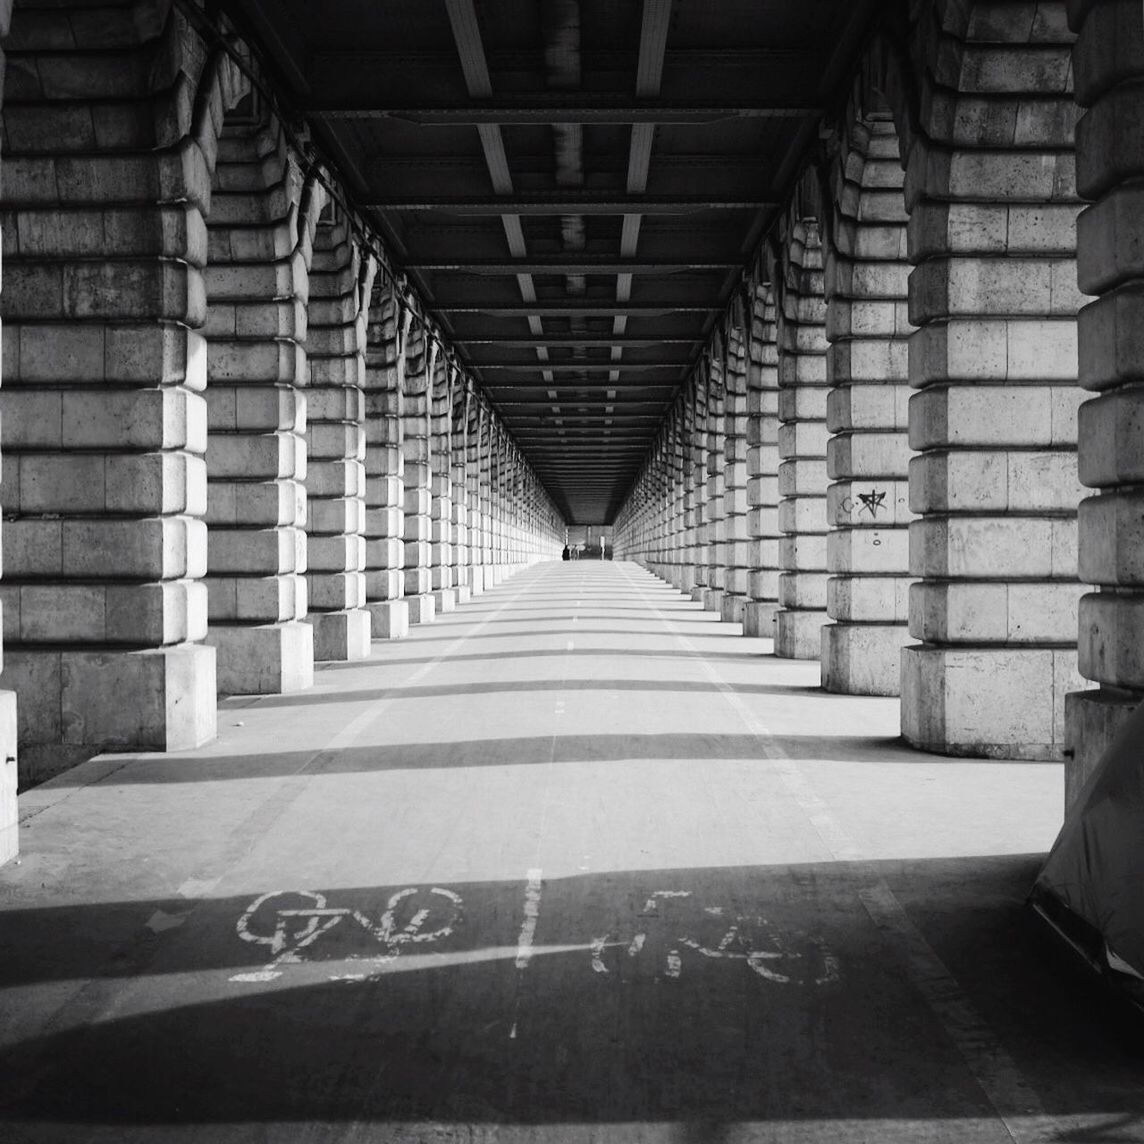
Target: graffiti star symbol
872,503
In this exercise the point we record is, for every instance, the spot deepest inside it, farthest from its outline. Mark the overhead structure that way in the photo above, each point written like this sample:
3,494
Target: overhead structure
574,187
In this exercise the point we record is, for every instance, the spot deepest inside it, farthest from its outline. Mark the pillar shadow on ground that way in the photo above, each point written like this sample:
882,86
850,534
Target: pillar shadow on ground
523,751
679,1002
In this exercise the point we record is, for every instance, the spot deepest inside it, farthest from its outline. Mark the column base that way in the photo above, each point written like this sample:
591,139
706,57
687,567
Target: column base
759,618
685,580
422,609
263,659
464,594
9,814
341,636
75,704
1093,719
713,600
389,619
697,593
863,659
445,600
798,635
1000,703
732,611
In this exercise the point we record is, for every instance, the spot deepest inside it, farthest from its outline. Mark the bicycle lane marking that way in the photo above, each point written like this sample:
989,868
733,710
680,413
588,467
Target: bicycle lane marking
135,956
1016,1104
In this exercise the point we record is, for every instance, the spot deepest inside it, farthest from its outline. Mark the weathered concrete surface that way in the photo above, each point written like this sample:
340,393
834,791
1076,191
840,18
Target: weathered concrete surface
465,838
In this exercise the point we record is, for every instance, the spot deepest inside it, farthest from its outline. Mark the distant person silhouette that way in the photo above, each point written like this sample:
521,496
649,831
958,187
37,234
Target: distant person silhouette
566,555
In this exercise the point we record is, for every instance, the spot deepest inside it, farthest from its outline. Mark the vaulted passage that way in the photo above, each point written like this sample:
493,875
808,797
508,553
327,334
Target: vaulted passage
574,863
564,563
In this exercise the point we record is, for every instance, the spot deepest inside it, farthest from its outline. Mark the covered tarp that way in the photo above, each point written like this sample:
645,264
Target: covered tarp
1091,887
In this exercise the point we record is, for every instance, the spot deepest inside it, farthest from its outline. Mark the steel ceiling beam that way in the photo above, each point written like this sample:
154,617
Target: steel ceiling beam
589,342
600,309
570,264
573,366
536,109
568,202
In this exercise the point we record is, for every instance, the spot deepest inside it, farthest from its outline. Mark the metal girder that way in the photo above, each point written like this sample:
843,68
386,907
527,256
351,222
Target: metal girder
566,202
602,308
535,108
575,366
589,342
569,264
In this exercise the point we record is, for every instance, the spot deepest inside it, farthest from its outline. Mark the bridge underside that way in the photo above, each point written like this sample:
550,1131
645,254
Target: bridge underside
326,322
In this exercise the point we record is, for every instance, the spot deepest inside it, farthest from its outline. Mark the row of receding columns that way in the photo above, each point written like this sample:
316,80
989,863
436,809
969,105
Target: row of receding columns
234,445
911,334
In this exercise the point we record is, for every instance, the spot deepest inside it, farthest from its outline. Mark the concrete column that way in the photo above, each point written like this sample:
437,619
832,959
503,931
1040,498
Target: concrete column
416,446
993,290
736,551
441,534
868,455
9,831
261,229
762,470
1109,65
104,370
341,283
458,474
713,510
802,446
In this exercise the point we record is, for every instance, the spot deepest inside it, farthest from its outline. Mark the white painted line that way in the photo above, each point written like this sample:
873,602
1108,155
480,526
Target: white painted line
531,916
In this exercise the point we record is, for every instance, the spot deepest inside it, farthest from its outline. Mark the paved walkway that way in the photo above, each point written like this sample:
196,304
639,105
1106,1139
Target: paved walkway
575,863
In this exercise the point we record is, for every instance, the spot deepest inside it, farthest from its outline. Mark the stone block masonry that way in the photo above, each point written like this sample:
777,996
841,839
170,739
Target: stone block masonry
868,454
261,227
104,371
341,284
802,445
992,199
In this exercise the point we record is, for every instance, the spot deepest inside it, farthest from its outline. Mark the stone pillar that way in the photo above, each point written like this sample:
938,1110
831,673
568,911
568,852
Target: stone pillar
475,482
498,486
1109,66
416,446
868,455
260,226
487,467
441,550
802,446
9,830
713,510
458,474
104,369
994,293
736,552
385,469
341,283
698,509
762,470
677,520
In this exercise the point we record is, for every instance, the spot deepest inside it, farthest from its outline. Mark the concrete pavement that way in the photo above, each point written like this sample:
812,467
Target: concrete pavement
574,863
